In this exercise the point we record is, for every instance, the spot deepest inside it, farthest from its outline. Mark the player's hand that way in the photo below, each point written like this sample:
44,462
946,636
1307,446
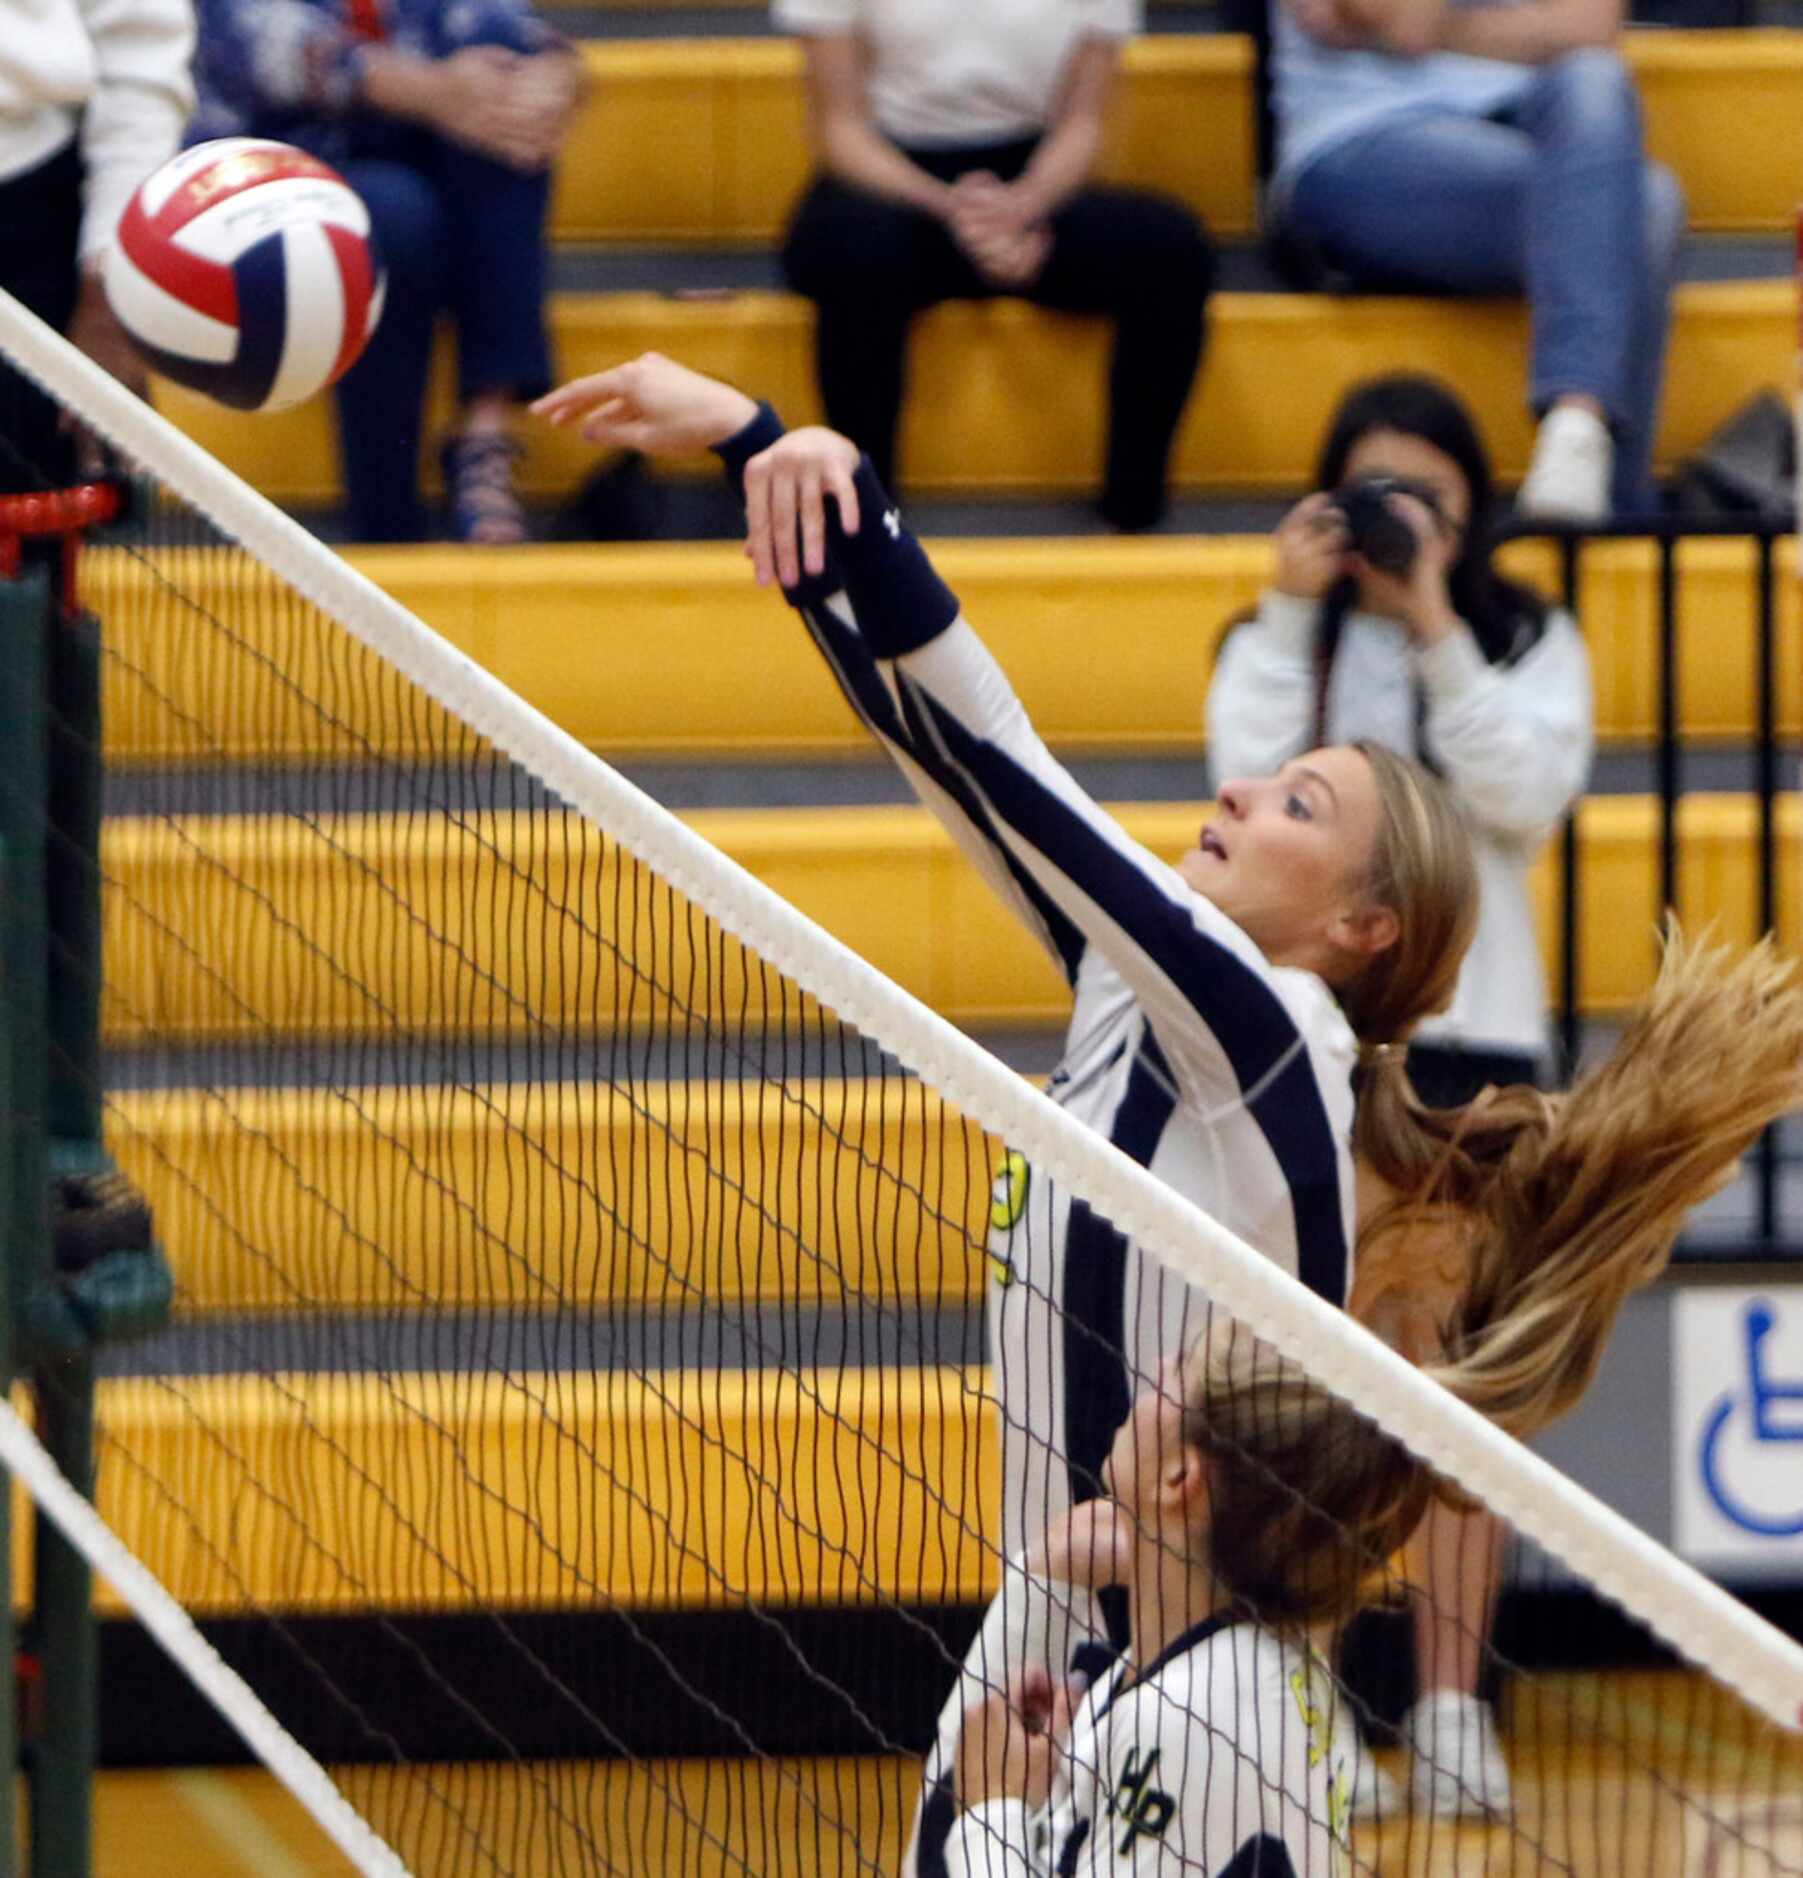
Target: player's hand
786,488
1312,545
650,404
1421,601
1092,1546
1007,1742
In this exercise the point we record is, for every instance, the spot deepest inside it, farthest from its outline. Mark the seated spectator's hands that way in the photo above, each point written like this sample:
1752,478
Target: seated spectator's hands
547,89
1407,28
1312,544
1330,23
650,404
996,228
1006,1743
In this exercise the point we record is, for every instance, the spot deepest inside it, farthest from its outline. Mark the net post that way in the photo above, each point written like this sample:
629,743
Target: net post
63,1624
50,825
9,1641
25,603
63,1378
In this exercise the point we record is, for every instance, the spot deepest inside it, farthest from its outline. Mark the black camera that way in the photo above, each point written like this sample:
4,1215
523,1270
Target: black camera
1378,533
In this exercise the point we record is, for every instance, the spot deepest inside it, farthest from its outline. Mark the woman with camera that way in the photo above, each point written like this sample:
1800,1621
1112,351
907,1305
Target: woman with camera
1386,620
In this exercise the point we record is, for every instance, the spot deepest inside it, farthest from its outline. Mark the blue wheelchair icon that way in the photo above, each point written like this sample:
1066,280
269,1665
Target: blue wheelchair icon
1762,1401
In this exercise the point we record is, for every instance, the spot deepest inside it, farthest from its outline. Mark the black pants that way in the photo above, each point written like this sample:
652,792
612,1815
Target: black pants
870,265
40,220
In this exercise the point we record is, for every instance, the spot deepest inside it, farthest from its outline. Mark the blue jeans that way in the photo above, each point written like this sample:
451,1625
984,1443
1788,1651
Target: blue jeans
457,234
1555,200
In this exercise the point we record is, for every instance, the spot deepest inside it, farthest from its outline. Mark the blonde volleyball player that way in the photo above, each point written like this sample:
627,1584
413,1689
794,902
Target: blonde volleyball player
1219,1007
1243,1509
1218,1011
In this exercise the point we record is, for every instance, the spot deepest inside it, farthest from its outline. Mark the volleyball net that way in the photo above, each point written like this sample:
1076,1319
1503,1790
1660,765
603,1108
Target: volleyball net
575,1426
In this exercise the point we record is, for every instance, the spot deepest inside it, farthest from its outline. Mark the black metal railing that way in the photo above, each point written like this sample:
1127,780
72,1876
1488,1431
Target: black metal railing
1772,1237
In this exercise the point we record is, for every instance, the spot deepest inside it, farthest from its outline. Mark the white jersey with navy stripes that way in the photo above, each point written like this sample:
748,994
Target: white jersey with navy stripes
1229,1757
1229,1078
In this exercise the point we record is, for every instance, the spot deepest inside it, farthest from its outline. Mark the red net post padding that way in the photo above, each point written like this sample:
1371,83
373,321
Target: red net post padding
64,512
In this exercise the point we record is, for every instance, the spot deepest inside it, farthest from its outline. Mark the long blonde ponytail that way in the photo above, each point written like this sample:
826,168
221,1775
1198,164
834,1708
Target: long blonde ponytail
1572,1202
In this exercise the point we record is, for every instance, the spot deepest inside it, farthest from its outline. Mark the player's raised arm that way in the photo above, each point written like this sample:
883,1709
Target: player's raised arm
1208,987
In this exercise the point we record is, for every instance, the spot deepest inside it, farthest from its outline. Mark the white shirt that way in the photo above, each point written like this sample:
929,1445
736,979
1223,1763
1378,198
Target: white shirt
118,69
963,71
1513,741
1229,1755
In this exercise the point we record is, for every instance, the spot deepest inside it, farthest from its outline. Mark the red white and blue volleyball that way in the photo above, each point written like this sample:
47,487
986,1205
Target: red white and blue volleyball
245,269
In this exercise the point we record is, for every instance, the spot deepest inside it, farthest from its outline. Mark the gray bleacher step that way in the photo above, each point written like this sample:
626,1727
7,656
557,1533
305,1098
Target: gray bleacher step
563,1338
686,784
812,1051
1243,268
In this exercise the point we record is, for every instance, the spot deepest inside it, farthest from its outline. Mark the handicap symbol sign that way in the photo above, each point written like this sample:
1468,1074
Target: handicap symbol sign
1760,1419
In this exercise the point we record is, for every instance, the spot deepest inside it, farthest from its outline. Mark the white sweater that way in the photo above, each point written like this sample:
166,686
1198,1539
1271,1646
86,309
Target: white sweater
1514,742
115,69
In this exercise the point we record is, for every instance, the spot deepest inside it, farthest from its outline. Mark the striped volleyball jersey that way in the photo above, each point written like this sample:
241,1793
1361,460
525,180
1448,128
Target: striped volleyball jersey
1228,1078
1229,1757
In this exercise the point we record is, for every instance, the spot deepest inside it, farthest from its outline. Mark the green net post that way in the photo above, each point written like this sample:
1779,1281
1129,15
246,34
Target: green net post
62,1765
9,1719
25,609
63,1368
60,1300
72,883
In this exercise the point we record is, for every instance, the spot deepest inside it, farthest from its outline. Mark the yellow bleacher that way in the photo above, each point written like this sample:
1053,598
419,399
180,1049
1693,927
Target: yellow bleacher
320,1494
671,650
704,140
348,1188
1277,364
886,881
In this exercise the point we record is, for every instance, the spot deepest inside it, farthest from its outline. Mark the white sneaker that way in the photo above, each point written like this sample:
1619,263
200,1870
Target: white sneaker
1568,480
1375,1793
1457,1768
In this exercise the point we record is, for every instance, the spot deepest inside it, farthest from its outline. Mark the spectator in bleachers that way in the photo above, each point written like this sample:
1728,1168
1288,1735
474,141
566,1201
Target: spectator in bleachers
1480,679
92,98
1491,148
956,140
446,119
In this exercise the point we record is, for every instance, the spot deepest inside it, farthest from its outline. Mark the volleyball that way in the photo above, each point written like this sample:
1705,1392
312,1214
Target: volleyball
245,269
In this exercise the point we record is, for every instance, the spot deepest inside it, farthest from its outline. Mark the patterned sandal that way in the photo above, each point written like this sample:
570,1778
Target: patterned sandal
484,508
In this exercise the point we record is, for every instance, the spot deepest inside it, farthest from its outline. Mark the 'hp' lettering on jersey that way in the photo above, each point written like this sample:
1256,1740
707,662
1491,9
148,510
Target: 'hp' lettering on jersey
1146,1808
